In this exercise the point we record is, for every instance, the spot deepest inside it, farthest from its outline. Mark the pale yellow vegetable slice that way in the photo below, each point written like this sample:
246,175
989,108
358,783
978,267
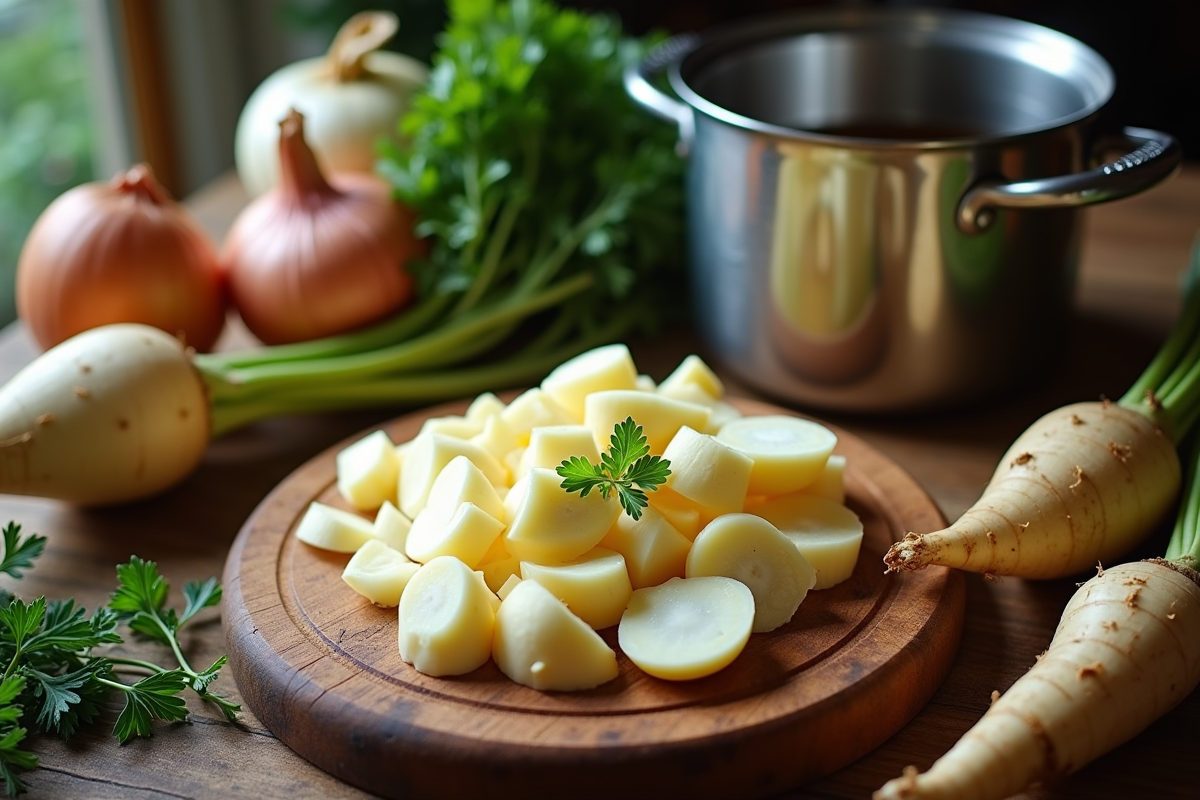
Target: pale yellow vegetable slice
507,586
550,445
552,525
425,458
446,619
452,425
788,452
750,549
498,439
334,529
684,515
832,482
594,586
602,368
379,573
659,417
497,565
533,409
367,471
687,629
539,643
708,472
484,407
827,533
653,549
692,371
466,535
391,527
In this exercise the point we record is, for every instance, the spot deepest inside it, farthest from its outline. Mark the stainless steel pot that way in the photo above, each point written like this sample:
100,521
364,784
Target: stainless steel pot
882,206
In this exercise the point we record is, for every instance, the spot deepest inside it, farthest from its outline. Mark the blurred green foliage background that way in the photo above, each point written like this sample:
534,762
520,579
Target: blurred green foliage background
46,130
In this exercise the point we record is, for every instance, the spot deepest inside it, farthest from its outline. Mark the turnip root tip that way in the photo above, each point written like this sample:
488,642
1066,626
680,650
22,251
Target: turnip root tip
114,414
1085,483
1126,651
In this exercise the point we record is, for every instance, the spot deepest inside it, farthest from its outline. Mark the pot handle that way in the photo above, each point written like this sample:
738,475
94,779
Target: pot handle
1156,157
639,86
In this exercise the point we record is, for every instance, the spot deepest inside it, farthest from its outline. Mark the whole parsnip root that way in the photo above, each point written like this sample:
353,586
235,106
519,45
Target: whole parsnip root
1126,651
1084,484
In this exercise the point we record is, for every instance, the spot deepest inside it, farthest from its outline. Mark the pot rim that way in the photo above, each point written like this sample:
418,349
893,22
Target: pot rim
1061,54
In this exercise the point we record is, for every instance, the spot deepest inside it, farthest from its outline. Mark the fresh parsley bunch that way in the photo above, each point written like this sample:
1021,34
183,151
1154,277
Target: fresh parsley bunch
542,187
627,470
55,680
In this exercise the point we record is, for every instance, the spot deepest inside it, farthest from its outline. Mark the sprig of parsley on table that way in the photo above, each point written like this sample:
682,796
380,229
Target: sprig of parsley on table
627,470
55,680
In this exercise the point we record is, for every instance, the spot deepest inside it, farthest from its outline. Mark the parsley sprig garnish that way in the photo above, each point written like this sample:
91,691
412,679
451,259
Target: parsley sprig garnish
627,469
55,680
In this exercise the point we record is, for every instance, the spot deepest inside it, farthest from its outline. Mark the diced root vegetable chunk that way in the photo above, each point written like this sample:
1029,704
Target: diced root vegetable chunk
827,534
595,586
755,552
692,371
552,525
539,643
379,573
686,629
534,409
599,369
446,619
707,472
788,452
654,550
391,527
333,529
659,417
551,445
467,535
368,471
424,460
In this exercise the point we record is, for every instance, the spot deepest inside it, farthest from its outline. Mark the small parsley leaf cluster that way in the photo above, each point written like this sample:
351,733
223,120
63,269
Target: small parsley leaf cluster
627,470
56,673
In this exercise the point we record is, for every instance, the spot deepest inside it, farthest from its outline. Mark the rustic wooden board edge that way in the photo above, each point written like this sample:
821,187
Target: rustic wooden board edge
294,708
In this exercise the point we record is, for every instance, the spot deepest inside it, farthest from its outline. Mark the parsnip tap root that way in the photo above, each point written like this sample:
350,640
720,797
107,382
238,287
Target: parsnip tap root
1084,484
1126,651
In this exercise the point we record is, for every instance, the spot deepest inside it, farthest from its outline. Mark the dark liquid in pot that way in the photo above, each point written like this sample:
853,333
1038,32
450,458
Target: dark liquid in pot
900,131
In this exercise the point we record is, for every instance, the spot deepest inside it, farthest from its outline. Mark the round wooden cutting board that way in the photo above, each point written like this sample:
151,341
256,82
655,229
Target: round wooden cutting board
321,668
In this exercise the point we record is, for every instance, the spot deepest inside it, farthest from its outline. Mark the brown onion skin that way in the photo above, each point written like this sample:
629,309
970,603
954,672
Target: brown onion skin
121,251
284,290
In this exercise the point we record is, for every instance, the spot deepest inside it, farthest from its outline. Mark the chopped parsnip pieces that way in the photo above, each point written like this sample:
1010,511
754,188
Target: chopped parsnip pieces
391,527
660,417
333,529
788,452
654,550
367,471
711,474
827,534
379,573
595,586
552,525
539,643
599,369
446,619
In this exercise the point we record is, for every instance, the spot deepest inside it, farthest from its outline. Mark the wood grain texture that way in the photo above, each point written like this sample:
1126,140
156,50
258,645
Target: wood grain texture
320,667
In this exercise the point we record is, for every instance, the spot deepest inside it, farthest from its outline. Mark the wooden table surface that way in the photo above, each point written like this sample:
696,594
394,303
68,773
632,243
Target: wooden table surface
1133,253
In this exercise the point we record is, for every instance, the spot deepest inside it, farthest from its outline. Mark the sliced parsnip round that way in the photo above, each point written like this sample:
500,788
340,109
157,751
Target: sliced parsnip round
368,471
653,549
552,525
788,452
379,573
708,472
539,643
755,552
595,586
687,628
607,367
333,529
827,534
446,619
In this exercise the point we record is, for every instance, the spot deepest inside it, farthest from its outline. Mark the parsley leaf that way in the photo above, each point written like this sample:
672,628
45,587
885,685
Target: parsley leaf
19,555
12,758
627,469
153,697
